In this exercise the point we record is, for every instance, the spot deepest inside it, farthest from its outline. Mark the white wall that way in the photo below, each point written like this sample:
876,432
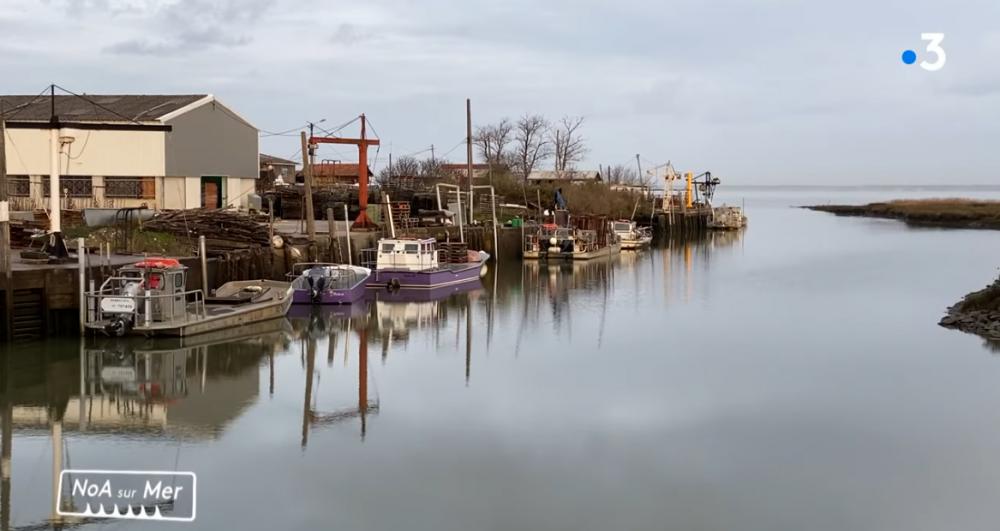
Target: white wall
107,153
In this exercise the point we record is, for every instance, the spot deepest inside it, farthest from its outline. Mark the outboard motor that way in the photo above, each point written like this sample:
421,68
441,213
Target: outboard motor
317,282
118,326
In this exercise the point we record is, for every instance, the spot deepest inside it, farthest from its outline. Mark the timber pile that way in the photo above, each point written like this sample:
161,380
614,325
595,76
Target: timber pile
222,229
21,231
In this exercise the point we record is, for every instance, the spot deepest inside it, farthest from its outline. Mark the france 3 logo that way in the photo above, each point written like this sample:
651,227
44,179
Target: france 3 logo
933,49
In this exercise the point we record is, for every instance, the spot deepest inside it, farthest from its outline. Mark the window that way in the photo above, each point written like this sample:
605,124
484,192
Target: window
410,248
72,186
18,185
179,281
130,187
388,247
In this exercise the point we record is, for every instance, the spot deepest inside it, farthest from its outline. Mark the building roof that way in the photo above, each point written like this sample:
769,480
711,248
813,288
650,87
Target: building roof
567,175
97,108
337,169
464,167
271,159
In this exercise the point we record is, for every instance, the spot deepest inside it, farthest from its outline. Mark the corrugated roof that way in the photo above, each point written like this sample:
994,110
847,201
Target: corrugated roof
568,175
99,108
328,169
271,159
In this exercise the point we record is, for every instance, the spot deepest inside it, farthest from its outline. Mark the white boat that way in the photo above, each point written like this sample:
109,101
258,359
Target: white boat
414,263
630,235
149,299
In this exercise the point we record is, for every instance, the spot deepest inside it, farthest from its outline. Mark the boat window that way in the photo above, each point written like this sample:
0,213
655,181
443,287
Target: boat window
179,281
621,226
388,247
155,280
411,248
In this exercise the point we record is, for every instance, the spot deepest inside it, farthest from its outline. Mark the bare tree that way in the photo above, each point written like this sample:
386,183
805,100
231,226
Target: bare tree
622,174
531,144
431,168
568,145
402,167
492,141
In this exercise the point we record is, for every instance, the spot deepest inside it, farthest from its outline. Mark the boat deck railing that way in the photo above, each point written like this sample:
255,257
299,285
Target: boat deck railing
143,304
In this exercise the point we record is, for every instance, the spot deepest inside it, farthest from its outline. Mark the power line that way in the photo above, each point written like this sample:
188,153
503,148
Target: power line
19,108
98,105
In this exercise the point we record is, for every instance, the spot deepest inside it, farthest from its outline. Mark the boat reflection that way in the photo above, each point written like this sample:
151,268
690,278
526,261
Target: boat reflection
179,388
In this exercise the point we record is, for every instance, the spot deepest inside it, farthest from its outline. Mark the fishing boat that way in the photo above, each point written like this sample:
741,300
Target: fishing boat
630,236
583,238
325,283
149,298
415,263
727,218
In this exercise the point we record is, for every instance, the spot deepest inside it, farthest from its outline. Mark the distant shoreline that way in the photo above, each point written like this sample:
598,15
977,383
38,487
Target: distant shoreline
948,213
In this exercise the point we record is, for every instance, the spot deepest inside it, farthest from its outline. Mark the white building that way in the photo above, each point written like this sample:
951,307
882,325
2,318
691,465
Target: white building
164,152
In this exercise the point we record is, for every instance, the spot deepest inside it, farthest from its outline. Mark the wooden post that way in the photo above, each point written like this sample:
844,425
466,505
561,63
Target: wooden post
203,256
330,222
347,226
468,142
307,176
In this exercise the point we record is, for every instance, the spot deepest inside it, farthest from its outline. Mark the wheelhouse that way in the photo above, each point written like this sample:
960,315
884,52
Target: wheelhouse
406,253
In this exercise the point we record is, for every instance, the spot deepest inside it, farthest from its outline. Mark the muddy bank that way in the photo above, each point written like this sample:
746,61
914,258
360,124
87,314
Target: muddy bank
977,313
954,213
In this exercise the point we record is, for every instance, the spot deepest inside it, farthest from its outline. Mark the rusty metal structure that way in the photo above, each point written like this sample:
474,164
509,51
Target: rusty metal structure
363,143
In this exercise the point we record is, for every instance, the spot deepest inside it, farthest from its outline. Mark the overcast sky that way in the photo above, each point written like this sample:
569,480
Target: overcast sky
758,92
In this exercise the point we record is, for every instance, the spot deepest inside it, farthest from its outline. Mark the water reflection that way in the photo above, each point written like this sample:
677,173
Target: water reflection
333,323
193,390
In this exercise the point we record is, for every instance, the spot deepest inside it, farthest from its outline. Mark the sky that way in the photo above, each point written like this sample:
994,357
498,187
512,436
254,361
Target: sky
756,91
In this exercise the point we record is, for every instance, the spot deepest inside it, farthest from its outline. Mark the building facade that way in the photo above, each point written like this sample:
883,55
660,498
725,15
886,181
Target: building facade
116,151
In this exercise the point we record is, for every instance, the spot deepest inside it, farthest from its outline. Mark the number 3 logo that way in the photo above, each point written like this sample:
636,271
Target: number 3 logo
934,47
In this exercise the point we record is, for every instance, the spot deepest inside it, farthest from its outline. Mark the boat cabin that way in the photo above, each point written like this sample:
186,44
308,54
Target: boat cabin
163,278
623,227
410,254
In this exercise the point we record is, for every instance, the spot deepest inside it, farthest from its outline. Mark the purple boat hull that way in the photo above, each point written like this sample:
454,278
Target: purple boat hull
330,296
449,275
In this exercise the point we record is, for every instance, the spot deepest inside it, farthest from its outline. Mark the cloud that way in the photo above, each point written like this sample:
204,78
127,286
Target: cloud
188,41
186,26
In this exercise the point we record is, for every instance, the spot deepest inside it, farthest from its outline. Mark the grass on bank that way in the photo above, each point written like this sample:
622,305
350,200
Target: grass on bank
595,198
143,241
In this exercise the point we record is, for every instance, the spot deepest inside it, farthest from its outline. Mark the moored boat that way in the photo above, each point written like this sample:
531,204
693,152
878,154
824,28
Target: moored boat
727,218
630,235
149,298
325,283
414,263
583,238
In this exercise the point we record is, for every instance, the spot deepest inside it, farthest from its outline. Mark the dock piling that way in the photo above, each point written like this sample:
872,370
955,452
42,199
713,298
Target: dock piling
347,225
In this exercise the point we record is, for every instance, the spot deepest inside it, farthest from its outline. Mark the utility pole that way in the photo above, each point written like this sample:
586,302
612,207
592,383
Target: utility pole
307,151
468,144
5,250
639,165
56,247
432,154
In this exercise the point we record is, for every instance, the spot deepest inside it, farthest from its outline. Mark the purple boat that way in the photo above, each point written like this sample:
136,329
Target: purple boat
411,263
322,283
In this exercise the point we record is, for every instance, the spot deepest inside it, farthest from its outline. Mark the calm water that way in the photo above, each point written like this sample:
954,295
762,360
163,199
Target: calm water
791,377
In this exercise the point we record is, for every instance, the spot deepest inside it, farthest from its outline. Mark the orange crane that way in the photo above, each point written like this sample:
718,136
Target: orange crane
363,143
